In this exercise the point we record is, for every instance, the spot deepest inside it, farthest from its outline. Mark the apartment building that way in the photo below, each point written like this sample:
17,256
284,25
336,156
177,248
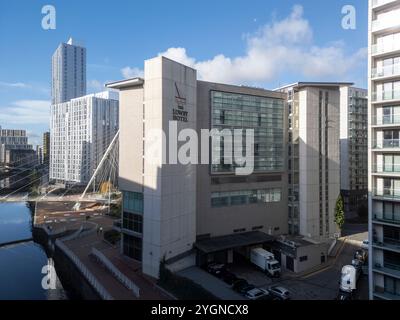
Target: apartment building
68,72
189,213
46,147
81,131
313,158
354,150
384,149
14,148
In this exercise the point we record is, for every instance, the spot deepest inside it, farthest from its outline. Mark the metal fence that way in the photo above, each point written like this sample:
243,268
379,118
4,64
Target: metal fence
128,283
103,293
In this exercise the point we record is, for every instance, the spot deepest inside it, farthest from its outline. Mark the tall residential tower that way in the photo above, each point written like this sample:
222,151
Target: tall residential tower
68,72
384,149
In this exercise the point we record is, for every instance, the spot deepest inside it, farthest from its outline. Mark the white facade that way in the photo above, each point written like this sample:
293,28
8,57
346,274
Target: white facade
80,131
68,72
314,158
384,149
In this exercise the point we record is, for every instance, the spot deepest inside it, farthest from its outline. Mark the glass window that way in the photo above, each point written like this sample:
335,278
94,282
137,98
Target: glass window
133,202
132,247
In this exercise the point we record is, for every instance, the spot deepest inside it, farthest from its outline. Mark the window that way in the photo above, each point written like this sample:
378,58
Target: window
243,197
132,247
133,222
262,114
303,258
133,202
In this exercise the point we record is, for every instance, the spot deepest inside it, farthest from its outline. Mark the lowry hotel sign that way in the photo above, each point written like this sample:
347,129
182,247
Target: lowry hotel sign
179,113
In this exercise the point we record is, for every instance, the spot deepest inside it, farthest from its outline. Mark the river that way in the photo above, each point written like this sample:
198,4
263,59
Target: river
21,264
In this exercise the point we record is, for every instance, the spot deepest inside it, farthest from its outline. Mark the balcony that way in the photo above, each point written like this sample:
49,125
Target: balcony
390,95
385,219
381,293
386,144
379,3
378,49
387,244
386,71
387,269
386,21
386,193
386,168
383,120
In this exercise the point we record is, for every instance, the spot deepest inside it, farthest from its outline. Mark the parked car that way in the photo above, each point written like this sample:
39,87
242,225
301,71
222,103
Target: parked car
216,269
258,294
242,286
280,292
365,244
361,255
228,277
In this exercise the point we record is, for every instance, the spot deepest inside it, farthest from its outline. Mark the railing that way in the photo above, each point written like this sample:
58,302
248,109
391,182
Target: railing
383,168
389,21
386,71
102,292
116,273
387,193
386,143
386,119
80,233
386,95
377,3
387,47
382,218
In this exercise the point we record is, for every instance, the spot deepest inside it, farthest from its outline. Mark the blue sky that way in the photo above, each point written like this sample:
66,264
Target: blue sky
263,43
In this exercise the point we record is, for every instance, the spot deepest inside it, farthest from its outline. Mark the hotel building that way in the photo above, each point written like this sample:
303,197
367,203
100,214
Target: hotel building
384,149
81,131
354,150
189,214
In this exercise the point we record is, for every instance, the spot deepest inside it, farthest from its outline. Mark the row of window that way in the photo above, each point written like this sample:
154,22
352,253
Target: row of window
232,198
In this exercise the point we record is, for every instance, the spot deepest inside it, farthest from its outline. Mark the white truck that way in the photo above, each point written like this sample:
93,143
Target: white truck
266,261
349,277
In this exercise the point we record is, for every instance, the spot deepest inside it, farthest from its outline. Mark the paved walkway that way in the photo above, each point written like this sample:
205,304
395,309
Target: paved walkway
212,284
82,247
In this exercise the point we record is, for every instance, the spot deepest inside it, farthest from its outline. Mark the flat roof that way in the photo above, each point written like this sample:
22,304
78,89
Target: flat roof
231,241
126,83
315,84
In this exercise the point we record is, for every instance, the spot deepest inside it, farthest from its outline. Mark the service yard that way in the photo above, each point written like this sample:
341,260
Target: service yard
321,284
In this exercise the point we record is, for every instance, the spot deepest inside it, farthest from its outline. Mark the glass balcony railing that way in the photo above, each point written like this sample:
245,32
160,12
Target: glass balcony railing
386,168
380,120
387,218
387,193
386,95
389,21
378,3
386,143
385,48
386,71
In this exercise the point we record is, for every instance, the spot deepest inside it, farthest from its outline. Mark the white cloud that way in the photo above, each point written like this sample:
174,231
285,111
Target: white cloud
95,85
14,85
26,112
129,72
279,48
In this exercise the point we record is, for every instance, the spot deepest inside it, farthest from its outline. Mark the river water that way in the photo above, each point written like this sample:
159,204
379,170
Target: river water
21,264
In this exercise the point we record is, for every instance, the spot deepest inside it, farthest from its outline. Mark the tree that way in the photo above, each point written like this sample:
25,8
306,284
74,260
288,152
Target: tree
339,212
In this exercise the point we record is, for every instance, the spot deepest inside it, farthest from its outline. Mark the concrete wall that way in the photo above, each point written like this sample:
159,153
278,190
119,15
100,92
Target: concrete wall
130,140
169,189
309,161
